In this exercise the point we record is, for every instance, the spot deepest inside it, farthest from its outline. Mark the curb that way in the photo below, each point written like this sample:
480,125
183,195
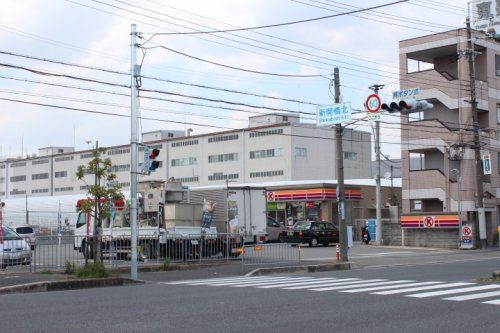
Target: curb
302,269
67,285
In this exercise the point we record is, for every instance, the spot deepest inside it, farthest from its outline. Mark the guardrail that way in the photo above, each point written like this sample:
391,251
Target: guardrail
264,254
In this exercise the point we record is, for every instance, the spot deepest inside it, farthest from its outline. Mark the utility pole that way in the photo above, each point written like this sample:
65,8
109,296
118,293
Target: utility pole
477,142
340,175
134,138
96,205
378,227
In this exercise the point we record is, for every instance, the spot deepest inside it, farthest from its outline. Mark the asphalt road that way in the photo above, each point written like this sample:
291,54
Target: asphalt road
162,307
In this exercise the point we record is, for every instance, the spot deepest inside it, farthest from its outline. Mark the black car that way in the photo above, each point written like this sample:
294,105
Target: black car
312,233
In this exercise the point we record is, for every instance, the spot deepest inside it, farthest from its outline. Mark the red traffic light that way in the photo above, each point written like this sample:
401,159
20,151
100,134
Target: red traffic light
154,154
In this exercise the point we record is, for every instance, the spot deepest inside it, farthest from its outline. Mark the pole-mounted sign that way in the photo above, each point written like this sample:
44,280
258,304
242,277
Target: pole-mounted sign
333,114
487,164
373,104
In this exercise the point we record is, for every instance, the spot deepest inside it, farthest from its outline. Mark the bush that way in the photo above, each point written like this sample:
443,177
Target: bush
93,270
46,271
165,265
70,268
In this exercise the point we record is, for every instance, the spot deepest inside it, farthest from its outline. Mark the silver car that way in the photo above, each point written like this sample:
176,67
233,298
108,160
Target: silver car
273,229
27,232
14,250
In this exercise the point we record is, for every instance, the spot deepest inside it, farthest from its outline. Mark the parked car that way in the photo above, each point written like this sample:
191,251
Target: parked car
28,233
273,229
16,251
312,233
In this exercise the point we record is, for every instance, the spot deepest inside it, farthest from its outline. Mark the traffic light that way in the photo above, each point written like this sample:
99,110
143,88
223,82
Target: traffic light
150,164
407,106
154,164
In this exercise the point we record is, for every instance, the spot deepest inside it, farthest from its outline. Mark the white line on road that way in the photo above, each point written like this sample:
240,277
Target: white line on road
238,281
360,285
390,287
406,290
214,279
337,283
473,296
495,302
263,283
454,291
315,281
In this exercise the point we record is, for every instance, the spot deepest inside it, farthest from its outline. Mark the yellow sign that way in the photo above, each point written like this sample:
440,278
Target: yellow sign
258,248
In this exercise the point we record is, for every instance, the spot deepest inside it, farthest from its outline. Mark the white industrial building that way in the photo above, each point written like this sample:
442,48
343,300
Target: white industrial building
275,147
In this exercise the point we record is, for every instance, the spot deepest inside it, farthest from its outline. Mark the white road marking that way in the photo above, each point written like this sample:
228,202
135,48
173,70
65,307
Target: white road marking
360,285
473,296
263,283
390,287
315,281
237,281
337,283
202,280
495,302
454,291
406,290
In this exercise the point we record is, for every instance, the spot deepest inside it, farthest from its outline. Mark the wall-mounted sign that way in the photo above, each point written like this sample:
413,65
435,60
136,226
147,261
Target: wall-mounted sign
430,221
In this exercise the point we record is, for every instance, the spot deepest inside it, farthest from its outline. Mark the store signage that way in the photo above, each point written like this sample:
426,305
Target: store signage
487,164
430,221
311,195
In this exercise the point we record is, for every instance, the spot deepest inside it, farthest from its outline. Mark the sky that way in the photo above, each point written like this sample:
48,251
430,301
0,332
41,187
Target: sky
96,33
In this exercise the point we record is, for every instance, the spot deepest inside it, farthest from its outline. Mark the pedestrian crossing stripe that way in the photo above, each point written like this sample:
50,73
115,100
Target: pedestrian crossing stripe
409,288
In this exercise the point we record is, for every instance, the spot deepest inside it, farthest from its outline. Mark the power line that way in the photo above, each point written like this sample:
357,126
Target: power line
156,78
285,23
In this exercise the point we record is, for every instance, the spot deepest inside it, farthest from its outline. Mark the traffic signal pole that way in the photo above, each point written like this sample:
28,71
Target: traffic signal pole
134,139
340,175
378,195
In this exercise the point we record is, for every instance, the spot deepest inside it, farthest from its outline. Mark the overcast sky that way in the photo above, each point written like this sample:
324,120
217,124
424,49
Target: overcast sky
96,33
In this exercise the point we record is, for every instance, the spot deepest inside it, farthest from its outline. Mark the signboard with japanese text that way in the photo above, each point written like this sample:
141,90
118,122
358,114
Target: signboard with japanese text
333,114
406,93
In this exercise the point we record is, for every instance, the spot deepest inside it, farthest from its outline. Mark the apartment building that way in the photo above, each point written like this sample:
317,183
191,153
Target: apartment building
439,166
275,147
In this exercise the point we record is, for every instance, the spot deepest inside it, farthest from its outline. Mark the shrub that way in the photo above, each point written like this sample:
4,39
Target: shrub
70,268
165,265
93,270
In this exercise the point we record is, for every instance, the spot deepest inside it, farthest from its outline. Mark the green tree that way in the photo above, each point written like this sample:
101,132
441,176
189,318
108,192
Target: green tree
102,193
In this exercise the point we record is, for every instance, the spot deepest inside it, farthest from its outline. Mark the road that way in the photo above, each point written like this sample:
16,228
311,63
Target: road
376,299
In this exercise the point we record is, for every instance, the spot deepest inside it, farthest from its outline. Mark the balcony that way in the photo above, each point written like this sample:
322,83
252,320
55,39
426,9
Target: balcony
425,179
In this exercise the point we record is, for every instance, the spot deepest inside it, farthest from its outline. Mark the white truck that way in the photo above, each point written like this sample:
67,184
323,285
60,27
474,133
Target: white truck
240,209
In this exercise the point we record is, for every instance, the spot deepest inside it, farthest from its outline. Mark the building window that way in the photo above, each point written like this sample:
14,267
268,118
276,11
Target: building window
184,161
223,138
87,155
39,162
302,152
119,151
63,189
61,174
497,64
125,184
416,205
84,187
16,192
119,168
188,179
38,176
222,176
40,190
2,180
266,153
2,166
417,161
222,158
170,135
416,116
265,133
64,158
18,164
350,155
184,143
60,150
260,174
18,179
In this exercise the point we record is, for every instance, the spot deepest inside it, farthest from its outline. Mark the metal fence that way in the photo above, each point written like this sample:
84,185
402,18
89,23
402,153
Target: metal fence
58,251
263,254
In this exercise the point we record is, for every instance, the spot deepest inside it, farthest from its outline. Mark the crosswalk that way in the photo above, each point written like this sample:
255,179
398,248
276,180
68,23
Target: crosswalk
449,291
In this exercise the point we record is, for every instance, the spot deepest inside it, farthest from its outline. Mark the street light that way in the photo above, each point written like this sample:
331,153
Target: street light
459,180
